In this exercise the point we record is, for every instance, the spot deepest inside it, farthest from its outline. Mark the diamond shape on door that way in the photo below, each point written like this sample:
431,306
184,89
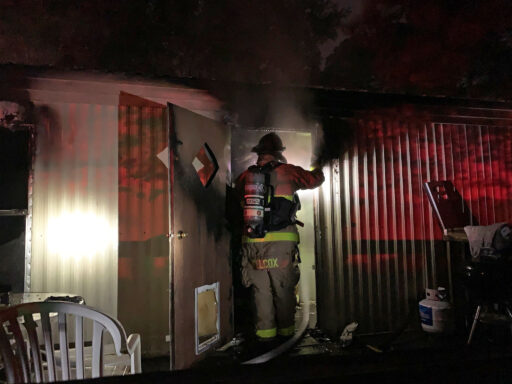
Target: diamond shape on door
205,165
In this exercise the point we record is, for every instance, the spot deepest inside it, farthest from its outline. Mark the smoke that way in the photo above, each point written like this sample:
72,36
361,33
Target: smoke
335,136
295,127
286,110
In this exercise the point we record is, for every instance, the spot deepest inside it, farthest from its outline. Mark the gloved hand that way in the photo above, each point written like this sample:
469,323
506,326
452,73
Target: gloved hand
315,164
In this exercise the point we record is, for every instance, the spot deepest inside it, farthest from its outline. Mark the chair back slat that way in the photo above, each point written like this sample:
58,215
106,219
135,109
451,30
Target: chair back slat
48,345
30,327
97,349
79,346
11,364
14,340
21,352
63,346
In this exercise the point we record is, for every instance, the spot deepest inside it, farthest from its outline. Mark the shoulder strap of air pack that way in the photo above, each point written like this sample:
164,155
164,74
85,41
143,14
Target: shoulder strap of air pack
270,166
267,170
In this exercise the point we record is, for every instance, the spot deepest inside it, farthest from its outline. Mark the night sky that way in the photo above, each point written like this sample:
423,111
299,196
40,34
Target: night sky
454,48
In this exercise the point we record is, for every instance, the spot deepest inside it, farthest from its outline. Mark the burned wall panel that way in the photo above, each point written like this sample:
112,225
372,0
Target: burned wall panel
143,273
380,245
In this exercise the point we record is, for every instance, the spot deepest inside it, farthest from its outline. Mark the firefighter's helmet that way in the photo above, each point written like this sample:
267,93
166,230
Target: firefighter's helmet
270,143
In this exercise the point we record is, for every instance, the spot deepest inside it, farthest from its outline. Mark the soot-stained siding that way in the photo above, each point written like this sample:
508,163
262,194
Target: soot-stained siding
379,245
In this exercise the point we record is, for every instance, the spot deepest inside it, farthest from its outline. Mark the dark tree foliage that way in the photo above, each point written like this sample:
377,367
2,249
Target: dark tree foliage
264,40
446,47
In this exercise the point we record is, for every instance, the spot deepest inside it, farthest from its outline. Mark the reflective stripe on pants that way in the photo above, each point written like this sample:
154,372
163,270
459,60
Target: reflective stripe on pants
286,331
273,236
266,333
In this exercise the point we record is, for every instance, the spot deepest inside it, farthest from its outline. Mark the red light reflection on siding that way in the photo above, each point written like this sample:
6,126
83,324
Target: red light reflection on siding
143,180
391,161
125,268
160,263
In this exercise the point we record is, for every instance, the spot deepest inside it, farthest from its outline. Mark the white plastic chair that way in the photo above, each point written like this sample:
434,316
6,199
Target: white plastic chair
25,364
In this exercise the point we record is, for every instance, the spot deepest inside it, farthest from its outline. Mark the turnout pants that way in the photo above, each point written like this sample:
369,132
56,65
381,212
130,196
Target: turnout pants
271,269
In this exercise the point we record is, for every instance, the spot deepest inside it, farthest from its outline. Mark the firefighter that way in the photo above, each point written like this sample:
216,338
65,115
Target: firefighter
270,263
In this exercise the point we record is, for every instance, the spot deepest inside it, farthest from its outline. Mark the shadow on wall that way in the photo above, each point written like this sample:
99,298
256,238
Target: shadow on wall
49,133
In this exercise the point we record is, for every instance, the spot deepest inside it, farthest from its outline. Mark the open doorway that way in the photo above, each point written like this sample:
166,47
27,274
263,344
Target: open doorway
299,146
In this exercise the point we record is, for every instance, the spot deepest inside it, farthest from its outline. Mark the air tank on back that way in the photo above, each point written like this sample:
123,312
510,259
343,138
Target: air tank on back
254,205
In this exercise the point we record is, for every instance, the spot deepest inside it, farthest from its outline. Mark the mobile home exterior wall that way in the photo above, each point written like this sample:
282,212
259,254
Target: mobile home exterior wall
98,137
379,245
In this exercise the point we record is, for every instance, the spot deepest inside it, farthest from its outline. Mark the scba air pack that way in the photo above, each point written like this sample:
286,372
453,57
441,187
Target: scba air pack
263,211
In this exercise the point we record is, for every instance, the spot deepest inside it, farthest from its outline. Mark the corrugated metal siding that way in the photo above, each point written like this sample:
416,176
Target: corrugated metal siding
143,224
379,245
75,177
